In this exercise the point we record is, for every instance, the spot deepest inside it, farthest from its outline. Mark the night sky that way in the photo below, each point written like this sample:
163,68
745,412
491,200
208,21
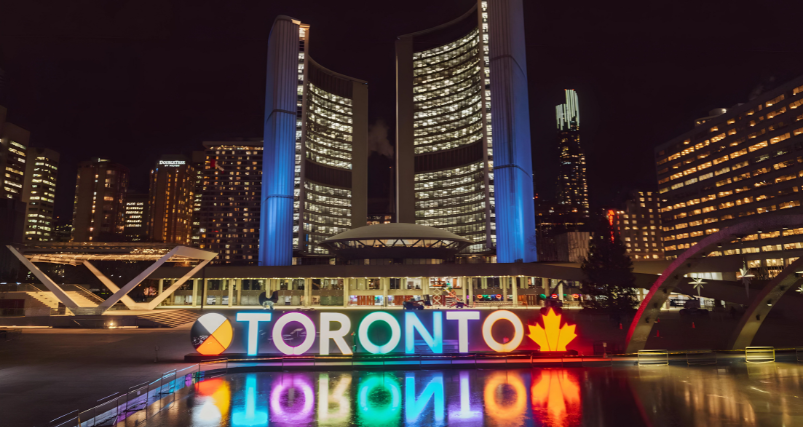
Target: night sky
131,80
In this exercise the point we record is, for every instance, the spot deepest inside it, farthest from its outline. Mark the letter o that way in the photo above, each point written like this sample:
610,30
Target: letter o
518,335
395,332
278,339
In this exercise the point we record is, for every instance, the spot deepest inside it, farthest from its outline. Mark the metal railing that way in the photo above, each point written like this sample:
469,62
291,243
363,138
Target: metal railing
653,357
759,354
140,401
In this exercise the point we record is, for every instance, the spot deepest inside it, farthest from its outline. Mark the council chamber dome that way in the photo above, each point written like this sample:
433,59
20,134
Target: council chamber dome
394,241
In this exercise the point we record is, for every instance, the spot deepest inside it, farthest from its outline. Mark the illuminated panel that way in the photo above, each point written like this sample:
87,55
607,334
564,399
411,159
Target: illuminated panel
433,391
552,336
395,332
412,323
211,334
462,318
517,326
337,335
253,320
278,336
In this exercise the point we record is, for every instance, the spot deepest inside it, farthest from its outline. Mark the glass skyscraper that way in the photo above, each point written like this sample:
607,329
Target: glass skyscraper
572,185
463,139
315,150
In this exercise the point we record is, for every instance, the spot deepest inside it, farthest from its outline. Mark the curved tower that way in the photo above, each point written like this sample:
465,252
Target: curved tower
315,150
463,137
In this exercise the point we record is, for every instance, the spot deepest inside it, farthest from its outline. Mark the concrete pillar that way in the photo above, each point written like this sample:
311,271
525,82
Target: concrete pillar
503,283
307,292
385,283
468,287
514,282
195,292
346,286
204,287
425,285
239,284
230,283
560,290
484,283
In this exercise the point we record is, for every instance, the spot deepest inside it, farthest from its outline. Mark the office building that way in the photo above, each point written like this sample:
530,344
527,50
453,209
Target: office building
39,192
229,213
136,217
737,162
572,184
198,158
639,226
99,201
13,154
463,156
62,230
554,219
170,204
315,157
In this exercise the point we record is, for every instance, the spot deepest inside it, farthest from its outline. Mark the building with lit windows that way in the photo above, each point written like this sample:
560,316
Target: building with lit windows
230,192
198,158
463,152
737,162
572,185
170,201
13,153
639,225
136,217
99,205
39,192
315,157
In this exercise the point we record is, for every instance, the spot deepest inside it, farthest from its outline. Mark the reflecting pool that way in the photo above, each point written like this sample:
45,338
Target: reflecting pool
761,395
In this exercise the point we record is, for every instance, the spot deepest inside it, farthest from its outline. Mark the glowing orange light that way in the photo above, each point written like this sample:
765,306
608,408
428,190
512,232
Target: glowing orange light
500,404
552,336
556,398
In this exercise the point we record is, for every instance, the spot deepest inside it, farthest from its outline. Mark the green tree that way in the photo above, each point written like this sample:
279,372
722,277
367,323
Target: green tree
608,275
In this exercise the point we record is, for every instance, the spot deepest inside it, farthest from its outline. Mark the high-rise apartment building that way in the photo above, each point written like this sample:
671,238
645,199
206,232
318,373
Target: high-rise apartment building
99,201
171,200
315,157
13,153
229,214
572,184
738,162
198,160
639,226
39,192
136,217
463,156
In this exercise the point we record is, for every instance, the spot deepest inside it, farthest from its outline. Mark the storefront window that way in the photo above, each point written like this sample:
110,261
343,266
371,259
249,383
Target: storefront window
444,283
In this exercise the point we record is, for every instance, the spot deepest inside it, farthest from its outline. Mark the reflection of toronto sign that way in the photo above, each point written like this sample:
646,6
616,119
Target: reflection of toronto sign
380,332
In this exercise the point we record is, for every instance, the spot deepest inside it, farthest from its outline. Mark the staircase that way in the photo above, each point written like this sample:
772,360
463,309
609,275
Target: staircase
50,300
171,318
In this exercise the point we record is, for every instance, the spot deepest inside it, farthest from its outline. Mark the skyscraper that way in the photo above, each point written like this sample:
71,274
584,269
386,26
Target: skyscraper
39,192
99,201
463,151
170,200
13,147
136,217
572,185
198,160
315,157
639,225
229,212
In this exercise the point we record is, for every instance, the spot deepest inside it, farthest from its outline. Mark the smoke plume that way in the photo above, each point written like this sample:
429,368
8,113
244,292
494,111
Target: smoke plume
378,139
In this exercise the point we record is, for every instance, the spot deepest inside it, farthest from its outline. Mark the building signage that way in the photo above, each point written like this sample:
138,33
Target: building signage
172,163
380,332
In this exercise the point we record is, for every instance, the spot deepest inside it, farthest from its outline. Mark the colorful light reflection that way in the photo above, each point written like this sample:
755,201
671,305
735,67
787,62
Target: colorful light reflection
556,397
379,400
285,405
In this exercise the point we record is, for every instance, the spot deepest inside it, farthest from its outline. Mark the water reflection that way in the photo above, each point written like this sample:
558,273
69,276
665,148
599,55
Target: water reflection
705,396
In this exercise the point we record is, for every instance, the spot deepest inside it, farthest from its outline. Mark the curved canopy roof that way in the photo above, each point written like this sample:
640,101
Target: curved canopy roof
397,231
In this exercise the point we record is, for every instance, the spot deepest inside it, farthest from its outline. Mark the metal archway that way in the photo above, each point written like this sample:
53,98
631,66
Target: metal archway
648,311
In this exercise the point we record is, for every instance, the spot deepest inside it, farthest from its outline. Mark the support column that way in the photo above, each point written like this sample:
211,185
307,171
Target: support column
469,289
503,282
307,292
514,282
230,285
239,284
161,286
560,290
346,286
195,292
385,282
204,289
